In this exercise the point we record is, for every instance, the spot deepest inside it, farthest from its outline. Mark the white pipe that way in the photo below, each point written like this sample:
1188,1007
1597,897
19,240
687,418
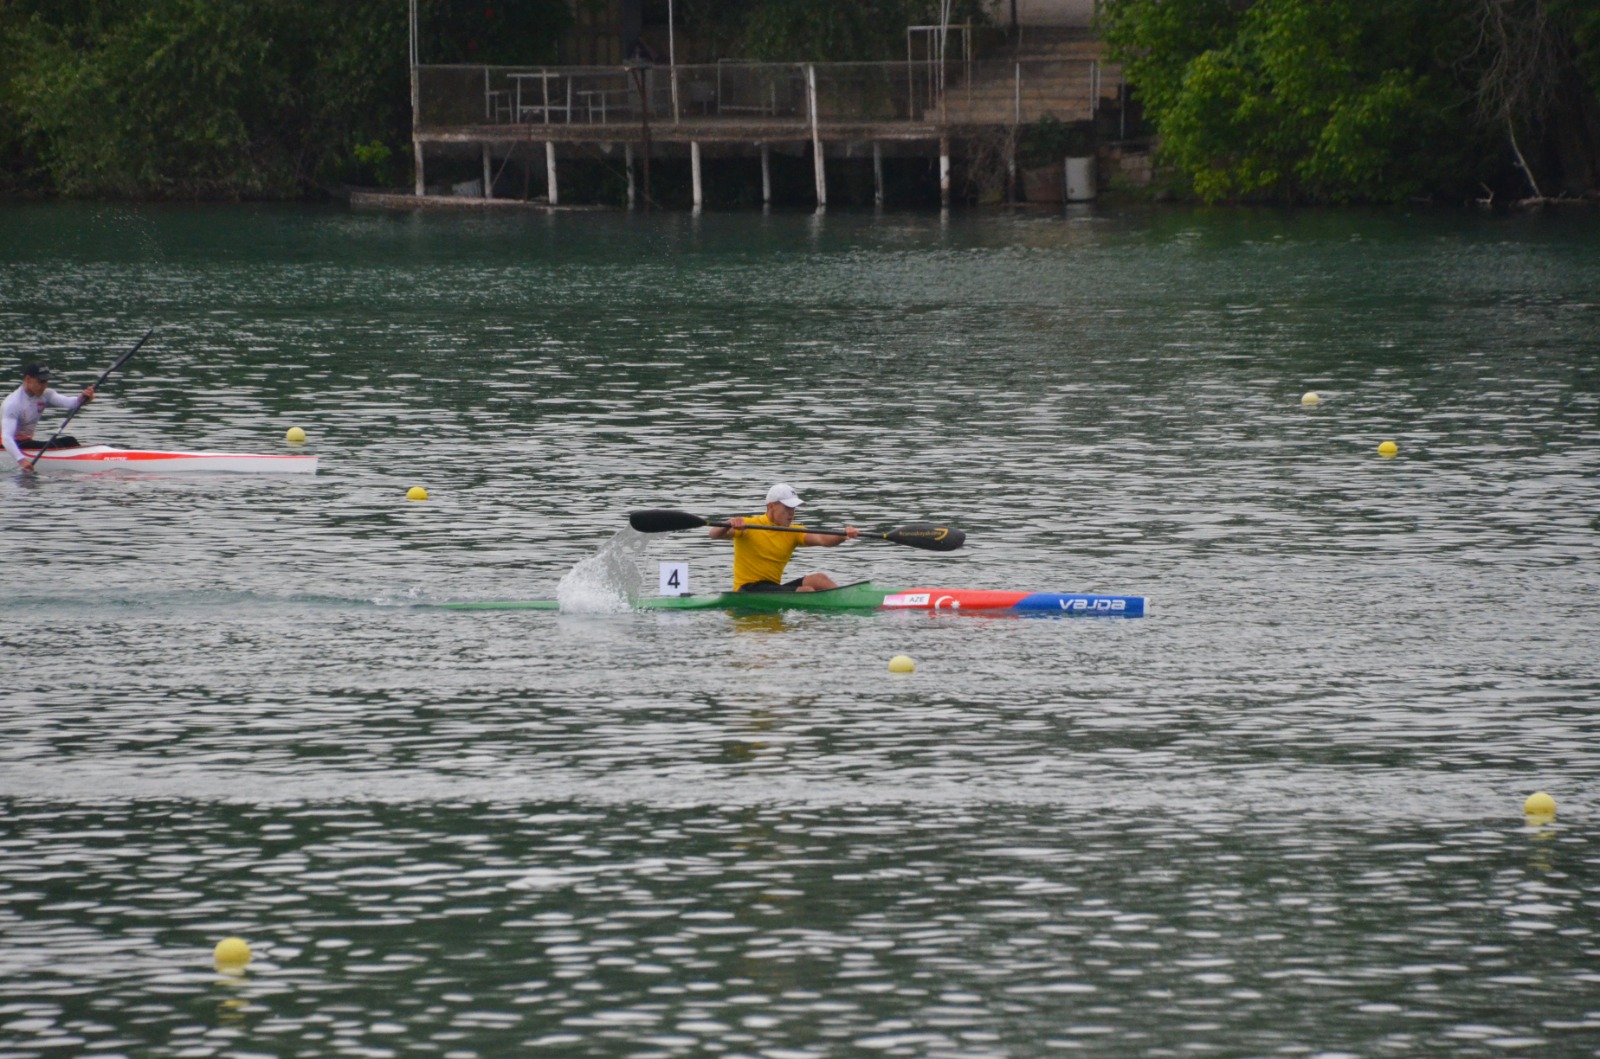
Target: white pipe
944,172
694,171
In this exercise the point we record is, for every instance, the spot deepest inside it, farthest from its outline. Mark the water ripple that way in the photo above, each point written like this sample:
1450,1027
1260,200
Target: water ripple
1281,814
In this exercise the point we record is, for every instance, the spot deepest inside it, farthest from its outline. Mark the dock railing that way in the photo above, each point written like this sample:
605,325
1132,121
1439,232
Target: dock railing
734,94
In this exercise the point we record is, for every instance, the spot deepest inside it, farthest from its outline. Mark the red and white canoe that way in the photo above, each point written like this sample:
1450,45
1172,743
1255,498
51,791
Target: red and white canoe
108,458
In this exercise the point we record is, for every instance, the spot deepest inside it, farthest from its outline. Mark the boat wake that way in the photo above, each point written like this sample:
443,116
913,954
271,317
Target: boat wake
607,582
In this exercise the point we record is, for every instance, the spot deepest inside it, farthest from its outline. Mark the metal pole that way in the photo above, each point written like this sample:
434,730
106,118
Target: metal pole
944,32
672,60
911,78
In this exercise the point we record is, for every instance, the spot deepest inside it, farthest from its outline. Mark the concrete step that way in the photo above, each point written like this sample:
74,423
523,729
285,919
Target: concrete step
1004,113
1057,42
1004,92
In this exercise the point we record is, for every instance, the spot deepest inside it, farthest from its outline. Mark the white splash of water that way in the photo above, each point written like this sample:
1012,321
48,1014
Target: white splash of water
607,582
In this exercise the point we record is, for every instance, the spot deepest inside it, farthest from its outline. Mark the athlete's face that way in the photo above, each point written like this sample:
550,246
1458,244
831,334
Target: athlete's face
35,387
779,514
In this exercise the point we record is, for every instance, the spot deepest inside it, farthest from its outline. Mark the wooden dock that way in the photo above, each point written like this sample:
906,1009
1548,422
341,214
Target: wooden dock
924,108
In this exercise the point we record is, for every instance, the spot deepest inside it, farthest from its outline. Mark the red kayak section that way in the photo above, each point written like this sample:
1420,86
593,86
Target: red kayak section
953,599
1072,603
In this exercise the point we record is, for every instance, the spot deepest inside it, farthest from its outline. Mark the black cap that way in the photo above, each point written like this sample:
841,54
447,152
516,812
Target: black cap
37,371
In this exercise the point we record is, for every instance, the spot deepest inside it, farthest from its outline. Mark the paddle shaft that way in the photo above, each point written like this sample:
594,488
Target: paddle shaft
924,536
93,386
920,535
783,529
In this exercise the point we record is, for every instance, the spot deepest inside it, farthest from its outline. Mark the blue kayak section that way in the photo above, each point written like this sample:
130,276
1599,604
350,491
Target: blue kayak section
1075,604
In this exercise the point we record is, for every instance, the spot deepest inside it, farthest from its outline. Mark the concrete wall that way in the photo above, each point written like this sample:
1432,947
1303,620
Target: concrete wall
1047,12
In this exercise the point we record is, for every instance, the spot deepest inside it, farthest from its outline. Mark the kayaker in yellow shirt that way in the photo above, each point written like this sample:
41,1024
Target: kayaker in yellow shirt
759,556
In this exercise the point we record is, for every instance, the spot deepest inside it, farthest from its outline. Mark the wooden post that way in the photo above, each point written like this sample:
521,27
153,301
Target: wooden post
627,160
414,59
488,174
766,174
550,171
816,137
877,173
944,172
694,171
1016,131
644,128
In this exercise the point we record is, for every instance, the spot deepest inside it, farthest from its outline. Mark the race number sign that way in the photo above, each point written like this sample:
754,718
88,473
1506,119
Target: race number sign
674,579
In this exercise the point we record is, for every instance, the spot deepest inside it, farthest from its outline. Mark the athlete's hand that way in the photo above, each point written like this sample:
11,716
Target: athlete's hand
88,394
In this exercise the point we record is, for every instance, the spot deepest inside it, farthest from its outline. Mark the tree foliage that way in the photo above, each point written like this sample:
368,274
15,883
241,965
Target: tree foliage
1538,78
497,32
225,98
1345,100
1290,100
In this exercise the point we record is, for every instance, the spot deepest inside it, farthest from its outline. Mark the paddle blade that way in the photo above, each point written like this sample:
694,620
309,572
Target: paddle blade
928,537
663,520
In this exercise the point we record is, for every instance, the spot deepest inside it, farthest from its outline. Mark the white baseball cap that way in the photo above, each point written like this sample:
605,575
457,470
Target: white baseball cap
783,494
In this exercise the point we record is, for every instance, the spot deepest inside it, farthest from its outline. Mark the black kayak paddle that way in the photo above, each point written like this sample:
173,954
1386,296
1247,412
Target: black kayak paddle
924,535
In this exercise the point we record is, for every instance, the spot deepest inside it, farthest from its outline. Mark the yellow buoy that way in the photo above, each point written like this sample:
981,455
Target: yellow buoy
1539,804
901,664
1310,397
295,435
416,492
231,952
1388,448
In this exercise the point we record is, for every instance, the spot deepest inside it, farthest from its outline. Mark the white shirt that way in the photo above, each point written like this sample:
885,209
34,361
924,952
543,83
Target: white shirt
20,414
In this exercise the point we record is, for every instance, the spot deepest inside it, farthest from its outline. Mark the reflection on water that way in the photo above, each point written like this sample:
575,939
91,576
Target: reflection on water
1282,815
